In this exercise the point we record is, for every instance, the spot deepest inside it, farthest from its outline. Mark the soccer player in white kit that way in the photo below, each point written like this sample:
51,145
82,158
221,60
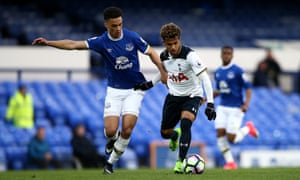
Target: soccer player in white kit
187,76
119,47
230,84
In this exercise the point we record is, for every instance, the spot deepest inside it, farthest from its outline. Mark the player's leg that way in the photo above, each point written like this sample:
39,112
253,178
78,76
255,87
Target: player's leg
235,133
112,111
170,118
128,123
189,112
221,122
130,111
185,140
111,124
224,147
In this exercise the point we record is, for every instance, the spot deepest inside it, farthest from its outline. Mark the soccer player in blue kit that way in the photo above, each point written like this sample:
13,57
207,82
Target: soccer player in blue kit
230,85
119,47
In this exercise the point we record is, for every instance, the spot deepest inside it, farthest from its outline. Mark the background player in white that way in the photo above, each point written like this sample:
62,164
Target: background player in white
186,78
230,85
119,47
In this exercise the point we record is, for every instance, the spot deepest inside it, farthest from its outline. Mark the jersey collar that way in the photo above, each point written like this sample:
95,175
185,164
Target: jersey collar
115,39
227,66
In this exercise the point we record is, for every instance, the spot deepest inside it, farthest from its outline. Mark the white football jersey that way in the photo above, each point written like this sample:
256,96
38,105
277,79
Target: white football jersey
182,72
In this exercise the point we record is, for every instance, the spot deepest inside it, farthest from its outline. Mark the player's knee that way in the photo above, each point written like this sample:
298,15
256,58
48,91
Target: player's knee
165,135
126,133
231,138
110,132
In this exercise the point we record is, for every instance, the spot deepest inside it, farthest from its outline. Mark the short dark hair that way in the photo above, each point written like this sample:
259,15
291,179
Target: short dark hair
227,47
170,30
112,12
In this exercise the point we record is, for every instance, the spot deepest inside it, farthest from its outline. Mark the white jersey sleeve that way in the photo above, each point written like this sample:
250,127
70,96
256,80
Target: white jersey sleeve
196,63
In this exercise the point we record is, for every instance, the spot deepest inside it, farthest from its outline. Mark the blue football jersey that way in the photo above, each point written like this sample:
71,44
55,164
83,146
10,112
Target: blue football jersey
231,83
121,60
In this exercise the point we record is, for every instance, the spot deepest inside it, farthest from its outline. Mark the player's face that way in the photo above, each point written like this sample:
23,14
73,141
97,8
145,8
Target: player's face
173,45
41,133
114,27
226,56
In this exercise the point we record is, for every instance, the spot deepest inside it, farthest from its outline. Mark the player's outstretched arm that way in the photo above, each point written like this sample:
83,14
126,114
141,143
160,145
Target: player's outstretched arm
60,44
156,60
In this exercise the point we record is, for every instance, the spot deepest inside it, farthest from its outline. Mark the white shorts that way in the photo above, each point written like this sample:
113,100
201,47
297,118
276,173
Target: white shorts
229,118
122,101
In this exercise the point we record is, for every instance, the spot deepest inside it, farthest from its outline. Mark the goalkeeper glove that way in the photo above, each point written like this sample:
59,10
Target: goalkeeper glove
143,86
210,111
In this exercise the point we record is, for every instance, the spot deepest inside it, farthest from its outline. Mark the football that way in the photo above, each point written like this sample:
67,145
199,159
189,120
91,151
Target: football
193,164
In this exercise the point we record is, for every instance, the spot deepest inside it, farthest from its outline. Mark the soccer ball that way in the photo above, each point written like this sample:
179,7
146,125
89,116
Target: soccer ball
193,164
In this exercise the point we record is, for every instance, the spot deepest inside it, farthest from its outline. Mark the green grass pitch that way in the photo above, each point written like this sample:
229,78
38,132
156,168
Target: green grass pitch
149,174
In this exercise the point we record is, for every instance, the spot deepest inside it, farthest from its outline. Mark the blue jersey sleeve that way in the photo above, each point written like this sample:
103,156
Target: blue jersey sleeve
141,44
245,81
95,43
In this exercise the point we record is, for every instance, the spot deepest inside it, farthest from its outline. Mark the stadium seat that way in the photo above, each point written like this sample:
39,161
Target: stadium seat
3,161
6,138
42,122
64,154
16,157
22,136
63,134
3,108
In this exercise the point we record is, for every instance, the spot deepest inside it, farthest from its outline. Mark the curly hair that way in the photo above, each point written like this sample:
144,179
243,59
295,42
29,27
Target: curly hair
169,31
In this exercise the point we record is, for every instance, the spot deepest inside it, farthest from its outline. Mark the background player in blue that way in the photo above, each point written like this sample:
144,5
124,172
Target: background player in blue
230,85
119,47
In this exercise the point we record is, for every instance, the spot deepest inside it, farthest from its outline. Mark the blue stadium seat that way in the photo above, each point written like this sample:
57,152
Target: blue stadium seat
16,157
63,134
63,153
42,122
22,136
6,138
3,108
3,161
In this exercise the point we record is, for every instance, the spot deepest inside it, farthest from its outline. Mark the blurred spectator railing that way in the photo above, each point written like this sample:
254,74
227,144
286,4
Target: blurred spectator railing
289,80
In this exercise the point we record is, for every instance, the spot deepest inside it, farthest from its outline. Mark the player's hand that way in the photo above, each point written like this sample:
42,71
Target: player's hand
40,41
210,111
244,108
143,86
164,77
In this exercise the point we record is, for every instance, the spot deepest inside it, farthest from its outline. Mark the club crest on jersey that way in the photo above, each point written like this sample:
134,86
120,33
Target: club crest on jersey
230,75
129,47
109,50
122,63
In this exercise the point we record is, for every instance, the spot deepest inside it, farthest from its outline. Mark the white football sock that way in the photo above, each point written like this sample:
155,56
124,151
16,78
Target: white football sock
119,147
225,149
241,134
